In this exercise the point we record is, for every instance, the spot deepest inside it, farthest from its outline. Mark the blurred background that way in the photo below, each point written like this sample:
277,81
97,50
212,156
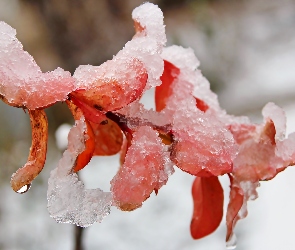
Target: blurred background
247,51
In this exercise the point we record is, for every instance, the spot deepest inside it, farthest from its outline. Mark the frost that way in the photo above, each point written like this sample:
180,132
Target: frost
68,200
188,63
139,116
278,116
148,42
137,67
207,146
146,168
21,79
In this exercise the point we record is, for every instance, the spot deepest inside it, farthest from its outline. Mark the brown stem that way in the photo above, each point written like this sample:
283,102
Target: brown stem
79,238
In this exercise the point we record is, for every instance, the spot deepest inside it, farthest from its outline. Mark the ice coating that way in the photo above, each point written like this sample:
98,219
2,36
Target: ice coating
138,115
22,82
187,62
146,168
260,152
203,144
206,142
286,150
263,153
68,200
138,66
148,42
150,18
277,115
111,85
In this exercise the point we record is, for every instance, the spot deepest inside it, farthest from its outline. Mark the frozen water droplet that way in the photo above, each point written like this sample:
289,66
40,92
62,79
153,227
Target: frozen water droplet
24,189
232,242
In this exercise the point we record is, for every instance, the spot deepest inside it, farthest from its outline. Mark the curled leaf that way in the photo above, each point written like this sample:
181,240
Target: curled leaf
91,114
84,158
23,177
208,206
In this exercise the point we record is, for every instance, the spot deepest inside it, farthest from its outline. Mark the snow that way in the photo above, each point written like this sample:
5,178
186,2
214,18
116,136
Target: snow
68,200
146,168
22,81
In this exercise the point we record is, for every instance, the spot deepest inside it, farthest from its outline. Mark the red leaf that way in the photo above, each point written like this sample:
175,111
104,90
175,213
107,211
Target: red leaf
201,105
236,200
91,114
112,86
208,206
163,91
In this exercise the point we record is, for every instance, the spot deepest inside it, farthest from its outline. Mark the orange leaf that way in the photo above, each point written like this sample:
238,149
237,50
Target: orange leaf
85,157
23,177
108,138
91,114
208,206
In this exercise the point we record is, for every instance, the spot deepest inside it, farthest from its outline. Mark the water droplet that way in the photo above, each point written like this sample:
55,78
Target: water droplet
232,242
24,189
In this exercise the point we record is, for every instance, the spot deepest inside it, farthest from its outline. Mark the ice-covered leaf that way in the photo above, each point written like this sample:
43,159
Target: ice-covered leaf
186,61
146,168
208,206
22,82
261,156
111,85
138,66
203,146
